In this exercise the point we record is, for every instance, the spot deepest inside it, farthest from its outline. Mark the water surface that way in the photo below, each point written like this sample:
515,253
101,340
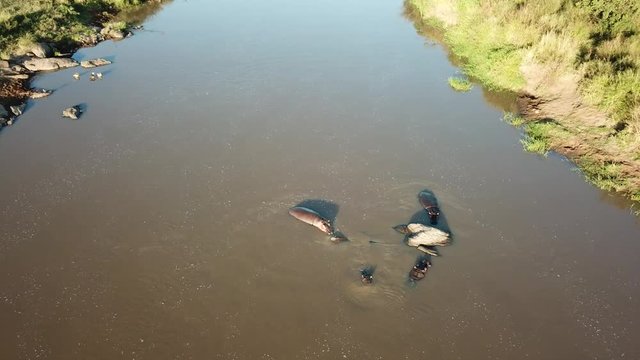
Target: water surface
156,226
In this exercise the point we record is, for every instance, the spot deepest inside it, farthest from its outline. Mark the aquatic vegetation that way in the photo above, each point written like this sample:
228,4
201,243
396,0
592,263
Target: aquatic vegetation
536,140
541,135
513,119
460,84
606,175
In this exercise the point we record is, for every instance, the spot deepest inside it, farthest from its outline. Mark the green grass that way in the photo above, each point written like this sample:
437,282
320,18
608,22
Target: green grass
513,119
598,40
603,174
540,136
460,84
594,43
62,22
536,139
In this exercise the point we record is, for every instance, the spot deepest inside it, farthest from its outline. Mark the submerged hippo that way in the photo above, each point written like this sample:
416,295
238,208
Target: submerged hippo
313,218
430,204
366,275
424,237
419,270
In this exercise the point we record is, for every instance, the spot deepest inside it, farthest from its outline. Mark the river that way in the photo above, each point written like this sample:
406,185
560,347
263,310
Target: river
156,225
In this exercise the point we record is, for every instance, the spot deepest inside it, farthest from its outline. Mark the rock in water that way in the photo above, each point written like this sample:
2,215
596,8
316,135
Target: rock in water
111,33
94,63
17,109
72,112
37,64
39,94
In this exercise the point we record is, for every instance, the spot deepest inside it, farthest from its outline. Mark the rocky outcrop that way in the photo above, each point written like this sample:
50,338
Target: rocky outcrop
110,33
94,63
41,50
72,112
39,94
92,38
6,118
17,109
12,72
38,64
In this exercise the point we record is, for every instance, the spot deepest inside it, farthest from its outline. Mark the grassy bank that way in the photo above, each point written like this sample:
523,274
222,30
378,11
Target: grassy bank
66,23
576,64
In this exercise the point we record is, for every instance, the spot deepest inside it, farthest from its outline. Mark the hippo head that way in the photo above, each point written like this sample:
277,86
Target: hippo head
423,264
434,213
366,278
419,270
366,275
326,227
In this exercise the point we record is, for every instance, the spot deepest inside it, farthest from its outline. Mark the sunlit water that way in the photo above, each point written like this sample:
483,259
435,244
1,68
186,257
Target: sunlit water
156,226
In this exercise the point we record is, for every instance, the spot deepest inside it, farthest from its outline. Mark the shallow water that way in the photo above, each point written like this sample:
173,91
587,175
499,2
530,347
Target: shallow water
156,226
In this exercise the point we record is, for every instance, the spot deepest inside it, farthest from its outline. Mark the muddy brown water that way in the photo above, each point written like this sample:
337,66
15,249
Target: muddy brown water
156,226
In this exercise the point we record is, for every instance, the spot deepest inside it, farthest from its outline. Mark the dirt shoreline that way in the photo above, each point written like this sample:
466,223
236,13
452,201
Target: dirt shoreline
584,127
577,130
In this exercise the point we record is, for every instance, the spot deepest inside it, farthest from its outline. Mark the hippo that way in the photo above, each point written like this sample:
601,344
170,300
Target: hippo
424,237
313,218
419,270
430,204
366,275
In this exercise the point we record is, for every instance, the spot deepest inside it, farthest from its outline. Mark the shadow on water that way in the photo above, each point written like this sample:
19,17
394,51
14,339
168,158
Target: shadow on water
326,209
83,109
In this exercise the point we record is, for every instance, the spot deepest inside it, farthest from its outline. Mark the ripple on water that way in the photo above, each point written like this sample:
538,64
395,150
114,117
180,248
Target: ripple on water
378,295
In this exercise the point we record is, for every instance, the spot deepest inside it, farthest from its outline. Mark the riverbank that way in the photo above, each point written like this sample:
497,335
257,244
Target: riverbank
49,32
574,66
